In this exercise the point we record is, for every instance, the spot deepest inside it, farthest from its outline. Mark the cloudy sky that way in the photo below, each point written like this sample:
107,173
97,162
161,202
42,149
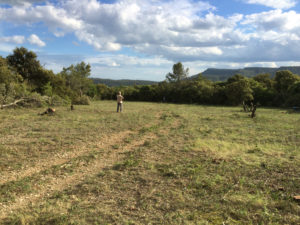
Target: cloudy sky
142,39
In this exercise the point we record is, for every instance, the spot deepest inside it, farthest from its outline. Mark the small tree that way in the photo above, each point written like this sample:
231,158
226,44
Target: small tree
179,73
77,78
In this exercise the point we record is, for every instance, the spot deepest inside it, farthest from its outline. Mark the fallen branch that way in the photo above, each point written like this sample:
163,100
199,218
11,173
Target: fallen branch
23,102
13,103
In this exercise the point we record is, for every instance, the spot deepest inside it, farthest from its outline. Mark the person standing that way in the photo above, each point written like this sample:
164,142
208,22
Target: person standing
119,101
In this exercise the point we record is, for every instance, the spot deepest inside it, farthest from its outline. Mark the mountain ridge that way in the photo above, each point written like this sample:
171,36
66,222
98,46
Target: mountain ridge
213,74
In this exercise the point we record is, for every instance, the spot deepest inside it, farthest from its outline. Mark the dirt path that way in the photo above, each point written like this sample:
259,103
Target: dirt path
62,157
54,183
60,183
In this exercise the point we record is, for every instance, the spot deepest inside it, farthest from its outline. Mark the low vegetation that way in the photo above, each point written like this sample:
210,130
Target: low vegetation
152,164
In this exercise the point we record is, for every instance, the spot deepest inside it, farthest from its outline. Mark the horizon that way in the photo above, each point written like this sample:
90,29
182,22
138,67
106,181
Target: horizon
141,40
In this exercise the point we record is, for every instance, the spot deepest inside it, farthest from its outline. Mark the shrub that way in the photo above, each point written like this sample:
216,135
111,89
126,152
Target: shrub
7,93
83,100
33,100
56,100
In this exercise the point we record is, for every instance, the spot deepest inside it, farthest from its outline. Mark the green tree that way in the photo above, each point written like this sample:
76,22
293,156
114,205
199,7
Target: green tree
239,91
25,63
179,73
77,78
284,80
59,87
236,77
10,83
6,74
294,95
103,91
265,80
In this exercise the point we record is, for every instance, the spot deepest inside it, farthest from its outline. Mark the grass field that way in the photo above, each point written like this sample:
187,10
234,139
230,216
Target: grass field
151,164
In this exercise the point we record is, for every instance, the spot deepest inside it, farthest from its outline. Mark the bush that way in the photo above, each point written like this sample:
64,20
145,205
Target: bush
83,100
33,100
56,100
293,100
7,93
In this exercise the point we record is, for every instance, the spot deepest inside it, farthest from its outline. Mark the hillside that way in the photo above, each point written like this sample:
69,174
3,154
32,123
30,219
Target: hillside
125,82
223,74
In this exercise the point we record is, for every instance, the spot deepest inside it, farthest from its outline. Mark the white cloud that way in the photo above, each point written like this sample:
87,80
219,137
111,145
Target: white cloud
124,60
276,4
275,20
108,27
17,39
171,30
35,40
277,27
58,20
20,2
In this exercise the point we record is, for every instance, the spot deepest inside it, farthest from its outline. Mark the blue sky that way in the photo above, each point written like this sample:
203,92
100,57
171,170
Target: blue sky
142,39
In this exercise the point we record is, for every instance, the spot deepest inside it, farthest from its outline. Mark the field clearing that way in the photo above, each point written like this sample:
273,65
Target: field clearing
152,164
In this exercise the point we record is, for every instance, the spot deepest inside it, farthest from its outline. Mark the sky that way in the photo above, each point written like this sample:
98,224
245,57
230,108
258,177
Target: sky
142,39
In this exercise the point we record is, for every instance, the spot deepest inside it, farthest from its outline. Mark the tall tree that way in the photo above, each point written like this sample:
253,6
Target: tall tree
77,78
179,73
239,91
25,63
284,80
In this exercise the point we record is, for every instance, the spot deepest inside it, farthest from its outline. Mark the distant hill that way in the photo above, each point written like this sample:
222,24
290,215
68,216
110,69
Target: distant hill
212,74
224,74
114,83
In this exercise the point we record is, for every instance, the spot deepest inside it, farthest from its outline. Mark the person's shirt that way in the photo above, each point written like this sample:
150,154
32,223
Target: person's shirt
120,98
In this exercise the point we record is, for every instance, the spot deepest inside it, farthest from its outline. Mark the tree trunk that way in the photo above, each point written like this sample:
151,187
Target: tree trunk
253,111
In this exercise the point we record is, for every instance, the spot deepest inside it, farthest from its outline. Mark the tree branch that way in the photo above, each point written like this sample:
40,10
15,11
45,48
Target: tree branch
13,103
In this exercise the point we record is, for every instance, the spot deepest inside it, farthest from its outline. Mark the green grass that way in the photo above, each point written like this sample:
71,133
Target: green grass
174,164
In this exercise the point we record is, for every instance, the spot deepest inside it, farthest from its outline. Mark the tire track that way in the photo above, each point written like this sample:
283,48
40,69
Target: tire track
62,157
58,184
106,159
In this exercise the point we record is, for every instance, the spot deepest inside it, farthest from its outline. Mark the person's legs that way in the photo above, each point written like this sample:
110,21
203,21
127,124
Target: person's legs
118,106
121,106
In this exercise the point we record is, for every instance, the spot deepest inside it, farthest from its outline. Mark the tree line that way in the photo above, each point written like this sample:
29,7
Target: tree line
283,90
23,77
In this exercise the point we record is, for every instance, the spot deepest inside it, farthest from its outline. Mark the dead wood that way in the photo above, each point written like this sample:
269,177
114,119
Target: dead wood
14,103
